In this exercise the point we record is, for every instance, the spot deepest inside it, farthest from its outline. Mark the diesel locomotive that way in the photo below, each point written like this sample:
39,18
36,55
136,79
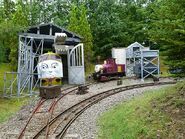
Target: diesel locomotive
50,73
108,70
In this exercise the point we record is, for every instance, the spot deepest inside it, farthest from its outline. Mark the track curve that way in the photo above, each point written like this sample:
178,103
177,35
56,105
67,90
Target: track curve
62,121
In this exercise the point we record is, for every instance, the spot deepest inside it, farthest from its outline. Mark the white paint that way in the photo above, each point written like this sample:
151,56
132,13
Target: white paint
60,38
76,71
60,35
119,54
98,68
50,69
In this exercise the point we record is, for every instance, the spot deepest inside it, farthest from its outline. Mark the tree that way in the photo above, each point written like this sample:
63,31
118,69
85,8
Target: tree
9,30
78,23
117,24
168,30
107,28
73,20
61,12
7,8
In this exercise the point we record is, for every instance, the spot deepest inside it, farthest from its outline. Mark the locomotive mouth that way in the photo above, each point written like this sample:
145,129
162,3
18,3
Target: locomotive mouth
51,74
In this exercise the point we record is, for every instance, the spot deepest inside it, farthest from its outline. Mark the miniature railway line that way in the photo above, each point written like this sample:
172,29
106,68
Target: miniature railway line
41,101
59,124
51,109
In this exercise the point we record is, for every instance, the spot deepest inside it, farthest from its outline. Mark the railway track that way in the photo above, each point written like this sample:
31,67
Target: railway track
64,92
60,123
51,108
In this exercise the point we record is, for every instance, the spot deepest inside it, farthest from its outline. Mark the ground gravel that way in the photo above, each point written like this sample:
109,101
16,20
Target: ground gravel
86,125
14,125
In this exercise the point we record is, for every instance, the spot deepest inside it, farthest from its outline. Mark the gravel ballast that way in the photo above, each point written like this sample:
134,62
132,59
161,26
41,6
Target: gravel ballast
85,125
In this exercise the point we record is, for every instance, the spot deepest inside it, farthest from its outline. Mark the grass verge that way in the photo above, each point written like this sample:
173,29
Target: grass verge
4,67
156,114
8,107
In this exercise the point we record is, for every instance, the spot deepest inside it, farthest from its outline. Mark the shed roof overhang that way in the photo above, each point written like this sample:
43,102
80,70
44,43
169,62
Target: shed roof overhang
47,32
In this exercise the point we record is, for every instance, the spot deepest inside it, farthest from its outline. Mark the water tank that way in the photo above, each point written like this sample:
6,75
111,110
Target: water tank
119,54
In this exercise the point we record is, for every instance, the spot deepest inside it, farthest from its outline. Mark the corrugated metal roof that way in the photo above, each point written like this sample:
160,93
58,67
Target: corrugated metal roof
44,29
47,32
135,44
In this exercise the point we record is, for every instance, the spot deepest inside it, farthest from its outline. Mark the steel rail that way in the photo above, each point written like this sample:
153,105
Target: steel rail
51,110
55,103
111,91
61,96
95,99
41,101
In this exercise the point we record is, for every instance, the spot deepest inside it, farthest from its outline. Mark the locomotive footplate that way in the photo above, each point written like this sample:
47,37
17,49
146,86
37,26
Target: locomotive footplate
49,92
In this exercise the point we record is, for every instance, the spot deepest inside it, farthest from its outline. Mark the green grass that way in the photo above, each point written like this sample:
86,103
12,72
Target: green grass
8,107
163,68
89,70
4,67
142,117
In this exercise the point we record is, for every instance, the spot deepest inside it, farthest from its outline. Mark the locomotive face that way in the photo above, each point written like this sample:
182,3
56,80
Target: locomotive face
50,69
50,66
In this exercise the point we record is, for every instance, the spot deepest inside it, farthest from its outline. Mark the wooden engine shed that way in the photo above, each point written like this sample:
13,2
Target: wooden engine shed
41,39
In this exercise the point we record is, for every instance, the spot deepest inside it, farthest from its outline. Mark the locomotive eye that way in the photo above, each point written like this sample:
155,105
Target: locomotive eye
44,66
43,81
54,65
57,80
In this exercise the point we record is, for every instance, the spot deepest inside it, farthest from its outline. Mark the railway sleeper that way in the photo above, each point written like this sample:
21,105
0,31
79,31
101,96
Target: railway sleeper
82,89
28,135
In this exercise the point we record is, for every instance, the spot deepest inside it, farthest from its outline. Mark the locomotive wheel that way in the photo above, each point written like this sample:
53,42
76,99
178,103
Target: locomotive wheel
98,76
49,92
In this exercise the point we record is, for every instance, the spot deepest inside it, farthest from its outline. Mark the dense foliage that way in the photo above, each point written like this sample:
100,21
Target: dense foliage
168,30
103,24
78,23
